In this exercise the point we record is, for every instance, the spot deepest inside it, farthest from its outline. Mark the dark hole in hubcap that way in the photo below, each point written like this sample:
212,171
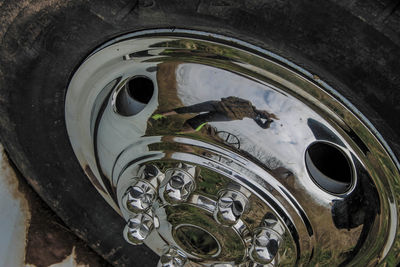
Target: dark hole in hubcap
141,89
329,167
135,95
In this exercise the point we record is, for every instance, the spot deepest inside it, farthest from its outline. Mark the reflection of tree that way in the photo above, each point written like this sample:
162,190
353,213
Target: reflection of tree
253,151
262,156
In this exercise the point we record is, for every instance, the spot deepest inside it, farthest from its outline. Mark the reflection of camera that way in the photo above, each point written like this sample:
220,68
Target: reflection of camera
262,115
262,119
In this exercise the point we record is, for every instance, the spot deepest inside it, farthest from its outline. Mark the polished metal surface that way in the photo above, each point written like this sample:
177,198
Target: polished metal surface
139,197
172,257
189,221
216,163
230,206
265,246
177,186
138,228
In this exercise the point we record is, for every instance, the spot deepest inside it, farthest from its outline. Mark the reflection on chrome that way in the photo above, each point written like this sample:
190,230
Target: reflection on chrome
227,109
138,228
217,158
265,245
139,197
172,257
230,207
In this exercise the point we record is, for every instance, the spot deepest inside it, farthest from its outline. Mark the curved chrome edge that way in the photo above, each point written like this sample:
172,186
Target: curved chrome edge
262,51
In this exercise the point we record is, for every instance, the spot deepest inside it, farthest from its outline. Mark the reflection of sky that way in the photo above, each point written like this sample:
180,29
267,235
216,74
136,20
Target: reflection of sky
201,83
286,139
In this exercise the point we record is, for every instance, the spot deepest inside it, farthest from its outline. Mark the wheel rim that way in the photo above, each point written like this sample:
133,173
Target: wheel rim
244,180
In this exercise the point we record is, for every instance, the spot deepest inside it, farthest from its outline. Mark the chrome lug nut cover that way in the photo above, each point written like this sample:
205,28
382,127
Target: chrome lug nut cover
138,228
230,206
149,172
178,186
139,197
271,222
172,257
265,246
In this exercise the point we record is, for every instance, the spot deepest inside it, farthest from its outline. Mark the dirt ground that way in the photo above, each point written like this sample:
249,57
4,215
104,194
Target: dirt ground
47,242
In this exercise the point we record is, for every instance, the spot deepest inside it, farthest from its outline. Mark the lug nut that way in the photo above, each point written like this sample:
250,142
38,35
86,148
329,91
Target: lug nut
172,257
271,222
230,206
255,264
179,187
191,169
265,246
139,197
138,228
148,172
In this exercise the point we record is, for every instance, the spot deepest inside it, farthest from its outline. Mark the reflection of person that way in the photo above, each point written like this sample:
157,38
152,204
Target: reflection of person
227,109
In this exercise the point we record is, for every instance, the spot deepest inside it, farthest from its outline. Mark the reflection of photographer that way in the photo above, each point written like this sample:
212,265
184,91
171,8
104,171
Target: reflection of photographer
227,109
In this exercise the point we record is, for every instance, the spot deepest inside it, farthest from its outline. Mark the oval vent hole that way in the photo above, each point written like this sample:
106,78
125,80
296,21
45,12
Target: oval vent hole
135,95
329,167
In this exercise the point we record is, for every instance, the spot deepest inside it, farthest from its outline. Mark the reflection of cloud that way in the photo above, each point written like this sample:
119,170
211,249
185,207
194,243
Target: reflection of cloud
286,138
198,80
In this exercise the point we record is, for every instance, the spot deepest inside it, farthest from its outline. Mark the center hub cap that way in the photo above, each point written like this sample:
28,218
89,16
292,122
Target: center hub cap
204,213
217,156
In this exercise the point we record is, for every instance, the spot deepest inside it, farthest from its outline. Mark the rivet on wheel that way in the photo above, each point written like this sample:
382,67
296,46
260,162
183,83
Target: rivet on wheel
265,246
230,206
179,187
139,197
138,228
172,257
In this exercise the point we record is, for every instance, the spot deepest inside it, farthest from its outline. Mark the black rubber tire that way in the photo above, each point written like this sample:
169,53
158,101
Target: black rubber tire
43,42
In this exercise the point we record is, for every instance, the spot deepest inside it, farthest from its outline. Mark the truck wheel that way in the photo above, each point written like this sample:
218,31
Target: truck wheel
214,132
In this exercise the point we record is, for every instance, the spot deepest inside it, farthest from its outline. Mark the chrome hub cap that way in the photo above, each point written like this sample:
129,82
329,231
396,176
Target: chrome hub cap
222,154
